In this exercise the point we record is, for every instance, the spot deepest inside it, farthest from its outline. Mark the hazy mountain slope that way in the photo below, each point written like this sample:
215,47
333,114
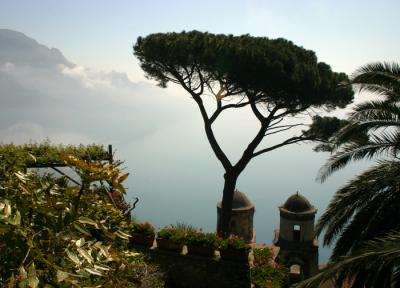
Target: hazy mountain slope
43,95
19,49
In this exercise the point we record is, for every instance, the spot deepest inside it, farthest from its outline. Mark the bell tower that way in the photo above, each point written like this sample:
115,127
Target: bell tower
241,223
296,237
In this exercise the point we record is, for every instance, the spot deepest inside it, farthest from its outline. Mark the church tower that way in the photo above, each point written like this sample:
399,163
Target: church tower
241,218
296,237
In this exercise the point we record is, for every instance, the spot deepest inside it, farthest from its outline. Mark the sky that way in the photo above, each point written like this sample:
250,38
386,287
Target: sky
99,34
92,89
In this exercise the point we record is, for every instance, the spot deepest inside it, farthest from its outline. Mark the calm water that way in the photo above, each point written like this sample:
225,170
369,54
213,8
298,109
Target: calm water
178,179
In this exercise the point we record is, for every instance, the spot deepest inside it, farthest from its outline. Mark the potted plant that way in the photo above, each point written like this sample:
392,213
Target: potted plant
234,248
203,244
170,238
142,234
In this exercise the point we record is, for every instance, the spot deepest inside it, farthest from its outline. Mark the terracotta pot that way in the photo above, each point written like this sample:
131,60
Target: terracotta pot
142,240
199,250
237,255
170,245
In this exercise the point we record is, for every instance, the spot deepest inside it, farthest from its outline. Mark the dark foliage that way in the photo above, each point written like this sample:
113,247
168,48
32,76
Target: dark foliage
285,74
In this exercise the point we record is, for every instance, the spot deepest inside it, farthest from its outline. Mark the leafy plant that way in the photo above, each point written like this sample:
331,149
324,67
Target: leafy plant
265,271
145,229
44,154
202,239
234,242
184,227
55,235
171,233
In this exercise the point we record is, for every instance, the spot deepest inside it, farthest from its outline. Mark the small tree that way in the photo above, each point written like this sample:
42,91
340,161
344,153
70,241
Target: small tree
276,78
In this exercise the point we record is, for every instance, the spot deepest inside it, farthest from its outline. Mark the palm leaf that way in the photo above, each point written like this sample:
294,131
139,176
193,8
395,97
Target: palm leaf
385,144
352,209
377,262
375,110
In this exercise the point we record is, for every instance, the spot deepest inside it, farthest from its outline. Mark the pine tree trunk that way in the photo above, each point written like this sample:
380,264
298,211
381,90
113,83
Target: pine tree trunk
223,228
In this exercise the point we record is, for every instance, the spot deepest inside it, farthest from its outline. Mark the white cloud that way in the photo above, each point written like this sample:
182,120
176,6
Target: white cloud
6,67
87,105
88,77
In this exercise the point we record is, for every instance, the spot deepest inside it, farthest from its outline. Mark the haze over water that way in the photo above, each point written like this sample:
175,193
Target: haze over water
90,89
183,181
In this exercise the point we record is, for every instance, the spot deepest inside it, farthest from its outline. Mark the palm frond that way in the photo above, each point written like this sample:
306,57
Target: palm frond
373,219
371,76
375,110
385,144
350,214
377,261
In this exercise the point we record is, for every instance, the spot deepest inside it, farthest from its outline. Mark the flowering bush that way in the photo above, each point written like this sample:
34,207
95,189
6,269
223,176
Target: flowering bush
234,242
171,233
145,229
202,239
265,270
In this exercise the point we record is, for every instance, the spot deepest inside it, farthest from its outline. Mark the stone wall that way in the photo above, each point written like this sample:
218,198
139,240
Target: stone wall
184,271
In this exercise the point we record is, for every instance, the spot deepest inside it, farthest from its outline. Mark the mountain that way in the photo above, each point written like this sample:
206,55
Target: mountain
17,48
43,95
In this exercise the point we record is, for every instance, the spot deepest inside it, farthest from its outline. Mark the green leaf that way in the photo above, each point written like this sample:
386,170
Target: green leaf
86,220
32,278
82,230
102,267
123,178
61,276
73,257
93,271
4,228
80,242
122,235
86,255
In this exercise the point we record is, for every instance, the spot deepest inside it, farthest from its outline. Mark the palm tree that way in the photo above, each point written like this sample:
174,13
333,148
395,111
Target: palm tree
377,264
379,119
367,207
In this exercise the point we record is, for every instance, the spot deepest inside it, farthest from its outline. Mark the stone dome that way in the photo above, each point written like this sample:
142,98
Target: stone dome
239,201
297,203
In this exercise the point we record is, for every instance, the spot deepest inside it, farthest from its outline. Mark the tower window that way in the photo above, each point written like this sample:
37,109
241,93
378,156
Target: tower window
296,233
295,269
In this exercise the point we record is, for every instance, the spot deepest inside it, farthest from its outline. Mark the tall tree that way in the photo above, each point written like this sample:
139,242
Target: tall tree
373,192
367,207
276,78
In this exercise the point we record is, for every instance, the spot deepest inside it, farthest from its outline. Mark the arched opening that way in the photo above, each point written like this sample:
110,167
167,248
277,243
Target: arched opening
296,233
295,269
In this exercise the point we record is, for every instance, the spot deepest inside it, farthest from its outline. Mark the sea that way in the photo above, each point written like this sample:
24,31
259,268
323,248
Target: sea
177,178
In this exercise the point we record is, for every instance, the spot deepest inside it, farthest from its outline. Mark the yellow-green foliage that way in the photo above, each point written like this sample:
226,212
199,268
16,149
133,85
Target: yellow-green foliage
42,154
55,235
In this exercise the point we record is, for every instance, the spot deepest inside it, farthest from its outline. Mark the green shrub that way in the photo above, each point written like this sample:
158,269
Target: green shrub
171,233
145,229
202,239
55,235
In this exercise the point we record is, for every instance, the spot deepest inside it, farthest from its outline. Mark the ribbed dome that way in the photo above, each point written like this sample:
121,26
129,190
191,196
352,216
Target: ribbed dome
239,201
297,203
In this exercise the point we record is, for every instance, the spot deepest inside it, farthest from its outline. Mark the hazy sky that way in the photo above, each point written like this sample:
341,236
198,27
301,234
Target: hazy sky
97,33
98,93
